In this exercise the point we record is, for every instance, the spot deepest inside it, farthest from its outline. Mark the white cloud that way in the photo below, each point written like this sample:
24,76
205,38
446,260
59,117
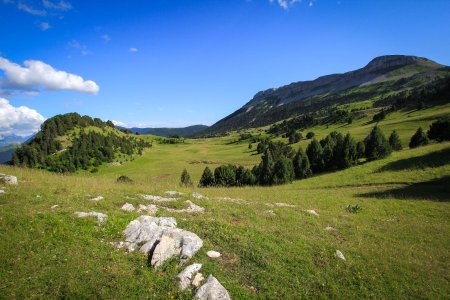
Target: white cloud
21,121
29,9
44,26
36,74
133,50
61,5
118,123
105,37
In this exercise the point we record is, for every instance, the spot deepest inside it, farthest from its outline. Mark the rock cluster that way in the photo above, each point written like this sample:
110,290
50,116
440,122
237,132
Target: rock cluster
161,239
127,207
8,179
192,208
198,196
157,198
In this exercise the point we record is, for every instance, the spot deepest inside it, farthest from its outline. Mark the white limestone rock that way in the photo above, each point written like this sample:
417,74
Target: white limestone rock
160,238
173,193
270,213
54,206
198,196
340,255
281,204
8,179
212,290
96,198
150,209
213,254
330,228
157,198
128,207
312,212
185,277
193,208
198,279
101,218
2,192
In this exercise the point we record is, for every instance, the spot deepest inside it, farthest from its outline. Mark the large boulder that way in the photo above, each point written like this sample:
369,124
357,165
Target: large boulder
212,290
8,179
161,239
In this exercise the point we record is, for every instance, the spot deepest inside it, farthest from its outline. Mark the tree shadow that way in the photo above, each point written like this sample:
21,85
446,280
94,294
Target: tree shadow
429,160
434,190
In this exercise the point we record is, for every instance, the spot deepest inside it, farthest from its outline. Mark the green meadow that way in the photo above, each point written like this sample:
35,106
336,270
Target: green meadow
396,246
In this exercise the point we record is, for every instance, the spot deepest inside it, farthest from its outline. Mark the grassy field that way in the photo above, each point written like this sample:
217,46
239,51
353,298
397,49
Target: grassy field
397,246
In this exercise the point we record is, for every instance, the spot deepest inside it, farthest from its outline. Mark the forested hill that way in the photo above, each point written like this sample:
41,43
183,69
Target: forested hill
386,80
70,142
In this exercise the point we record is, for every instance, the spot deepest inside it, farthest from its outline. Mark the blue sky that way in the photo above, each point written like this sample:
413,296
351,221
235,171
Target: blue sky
176,63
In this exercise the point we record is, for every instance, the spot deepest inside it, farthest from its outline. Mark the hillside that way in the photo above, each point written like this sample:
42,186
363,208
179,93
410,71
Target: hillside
169,132
70,142
271,246
384,81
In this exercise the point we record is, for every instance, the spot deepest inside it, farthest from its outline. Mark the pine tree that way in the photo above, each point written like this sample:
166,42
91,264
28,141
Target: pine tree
315,156
207,178
283,171
302,168
360,149
266,169
439,131
419,139
185,179
394,141
376,145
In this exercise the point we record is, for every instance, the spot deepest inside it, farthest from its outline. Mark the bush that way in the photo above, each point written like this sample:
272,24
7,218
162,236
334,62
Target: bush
439,131
376,145
124,179
354,208
185,179
310,135
419,139
225,175
379,116
394,141
207,178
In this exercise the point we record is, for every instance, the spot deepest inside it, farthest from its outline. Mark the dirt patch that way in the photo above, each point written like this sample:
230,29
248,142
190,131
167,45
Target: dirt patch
161,176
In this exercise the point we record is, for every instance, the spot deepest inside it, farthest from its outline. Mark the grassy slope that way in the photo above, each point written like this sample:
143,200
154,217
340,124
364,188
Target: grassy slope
396,247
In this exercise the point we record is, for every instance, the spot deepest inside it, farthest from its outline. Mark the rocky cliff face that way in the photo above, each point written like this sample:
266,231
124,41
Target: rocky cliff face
376,69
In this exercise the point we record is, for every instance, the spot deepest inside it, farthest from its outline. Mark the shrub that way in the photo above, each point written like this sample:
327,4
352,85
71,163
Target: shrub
379,116
225,175
185,179
394,141
310,135
354,208
207,178
294,137
439,131
419,139
376,145
124,179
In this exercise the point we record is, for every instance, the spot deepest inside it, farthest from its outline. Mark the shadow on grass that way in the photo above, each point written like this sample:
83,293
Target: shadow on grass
434,190
430,160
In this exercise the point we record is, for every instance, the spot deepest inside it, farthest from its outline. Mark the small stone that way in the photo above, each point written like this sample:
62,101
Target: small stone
101,218
2,192
330,228
312,212
340,255
212,289
173,193
150,209
157,198
270,213
38,196
97,198
193,208
54,206
8,179
198,278
198,196
213,254
128,207
184,278
280,204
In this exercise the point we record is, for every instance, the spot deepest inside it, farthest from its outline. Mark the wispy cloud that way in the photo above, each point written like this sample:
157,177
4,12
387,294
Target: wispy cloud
44,26
36,75
286,4
31,10
74,44
106,37
133,50
61,5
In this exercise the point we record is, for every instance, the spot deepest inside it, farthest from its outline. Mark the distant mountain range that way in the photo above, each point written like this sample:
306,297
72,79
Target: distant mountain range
383,77
167,132
8,145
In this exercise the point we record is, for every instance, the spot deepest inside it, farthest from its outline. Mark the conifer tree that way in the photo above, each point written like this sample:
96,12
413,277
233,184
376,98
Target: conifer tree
419,139
302,168
185,179
315,156
394,141
283,171
207,178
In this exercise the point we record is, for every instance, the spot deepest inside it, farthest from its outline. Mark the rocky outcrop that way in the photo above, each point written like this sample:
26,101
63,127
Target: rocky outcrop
101,218
8,179
160,239
212,290
192,208
157,198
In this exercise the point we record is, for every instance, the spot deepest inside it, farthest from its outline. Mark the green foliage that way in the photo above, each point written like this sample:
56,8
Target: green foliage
124,179
310,135
419,139
380,116
225,175
185,179
394,141
207,178
283,171
376,145
302,168
315,155
295,137
354,209
361,149
439,130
